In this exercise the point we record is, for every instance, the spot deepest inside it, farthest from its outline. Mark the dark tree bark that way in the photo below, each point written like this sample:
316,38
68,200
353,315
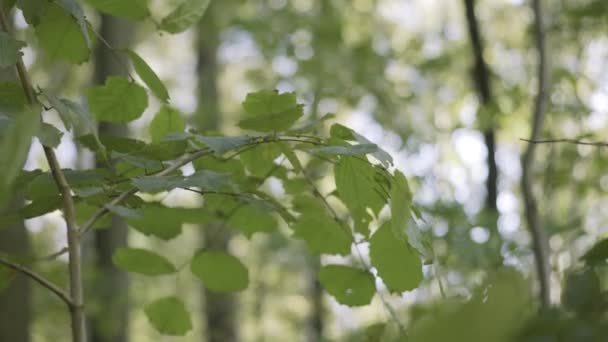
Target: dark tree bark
220,309
110,314
481,77
15,308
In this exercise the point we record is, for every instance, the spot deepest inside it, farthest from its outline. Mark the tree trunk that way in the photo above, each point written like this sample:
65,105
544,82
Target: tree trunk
15,308
110,314
220,309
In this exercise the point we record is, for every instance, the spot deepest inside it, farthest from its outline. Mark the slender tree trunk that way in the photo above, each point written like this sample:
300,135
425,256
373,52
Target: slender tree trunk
15,308
481,76
315,320
220,309
110,314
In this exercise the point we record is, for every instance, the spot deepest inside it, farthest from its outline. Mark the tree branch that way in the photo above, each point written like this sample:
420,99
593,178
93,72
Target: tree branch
566,140
39,279
540,245
74,262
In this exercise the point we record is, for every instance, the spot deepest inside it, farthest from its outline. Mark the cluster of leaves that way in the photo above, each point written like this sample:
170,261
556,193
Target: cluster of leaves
229,171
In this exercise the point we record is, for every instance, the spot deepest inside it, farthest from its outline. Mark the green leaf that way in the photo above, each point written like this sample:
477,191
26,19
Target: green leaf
349,286
73,115
49,135
12,97
132,9
60,36
158,221
250,220
142,261
206,180
345,133
358,189
148,76
118,100
123,211
598,254
185,15
259,160
14,146
41,206
6,275
10,50
221,145
33,10
167,120
352,150
397,263
268,110
169,316
220,272
581,291
322,234
72,7
401,204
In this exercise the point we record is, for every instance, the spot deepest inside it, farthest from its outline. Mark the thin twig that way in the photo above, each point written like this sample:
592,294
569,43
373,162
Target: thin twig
39,279
565,140
104,210
540,245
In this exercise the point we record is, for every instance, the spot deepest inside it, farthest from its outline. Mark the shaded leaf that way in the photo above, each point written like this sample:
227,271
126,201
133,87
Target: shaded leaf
148,76
142,261
347,150
185,15
132,9
49,135
250,220
221,145
401,203
169,316
348,285
598,254
60,36
206,180
12,97
73,7
14,146
267,110
118,100
220,272
167,120
33,10
10,50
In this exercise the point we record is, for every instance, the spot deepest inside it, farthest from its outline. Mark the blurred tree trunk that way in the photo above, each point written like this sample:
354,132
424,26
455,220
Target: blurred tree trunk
220,309
481,77
110,309
15,308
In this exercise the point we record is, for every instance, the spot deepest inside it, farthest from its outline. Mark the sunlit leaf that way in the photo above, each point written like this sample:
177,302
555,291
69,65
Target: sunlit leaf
185,15
73,7
142,261
358,189
220,272
169,316
322,234
118,100
401,202
348,285
397,263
